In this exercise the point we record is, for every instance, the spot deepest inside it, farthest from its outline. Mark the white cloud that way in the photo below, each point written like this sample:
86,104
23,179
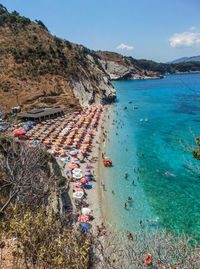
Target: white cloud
124,47
186,39
192,28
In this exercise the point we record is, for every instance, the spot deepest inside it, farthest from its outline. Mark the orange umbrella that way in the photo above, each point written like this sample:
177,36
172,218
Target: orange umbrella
72,166
55,148
46,142
84,180
62,151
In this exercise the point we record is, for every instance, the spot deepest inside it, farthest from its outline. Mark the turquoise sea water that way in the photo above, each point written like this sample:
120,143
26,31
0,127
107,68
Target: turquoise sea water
172,107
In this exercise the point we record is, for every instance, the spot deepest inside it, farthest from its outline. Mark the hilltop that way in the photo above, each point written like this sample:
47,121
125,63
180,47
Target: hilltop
186,59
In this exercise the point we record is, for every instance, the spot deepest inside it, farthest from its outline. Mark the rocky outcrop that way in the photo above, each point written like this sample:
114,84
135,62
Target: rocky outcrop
119,67
94,86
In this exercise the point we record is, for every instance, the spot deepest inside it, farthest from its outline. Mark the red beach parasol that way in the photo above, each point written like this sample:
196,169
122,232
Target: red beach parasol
84,218
19,131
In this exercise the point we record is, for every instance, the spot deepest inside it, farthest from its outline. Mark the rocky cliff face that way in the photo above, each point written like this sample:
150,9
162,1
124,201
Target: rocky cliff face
119,67
94,86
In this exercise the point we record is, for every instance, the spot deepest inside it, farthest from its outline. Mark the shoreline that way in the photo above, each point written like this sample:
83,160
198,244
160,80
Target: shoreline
94,195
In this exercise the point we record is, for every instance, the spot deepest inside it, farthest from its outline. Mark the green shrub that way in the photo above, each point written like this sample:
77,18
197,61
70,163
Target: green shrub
49,100
41,24
62,182
44,241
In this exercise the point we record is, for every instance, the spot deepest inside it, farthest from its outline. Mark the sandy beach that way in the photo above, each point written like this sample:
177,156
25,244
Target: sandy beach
94,195
77,140
95,161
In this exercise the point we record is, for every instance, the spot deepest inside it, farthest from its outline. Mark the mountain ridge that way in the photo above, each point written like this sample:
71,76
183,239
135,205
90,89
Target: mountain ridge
186,59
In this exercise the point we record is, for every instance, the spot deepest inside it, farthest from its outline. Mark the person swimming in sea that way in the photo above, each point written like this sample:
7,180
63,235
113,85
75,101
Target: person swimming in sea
129,198
168,174
153,220
125,205
129,235
133,182
125,175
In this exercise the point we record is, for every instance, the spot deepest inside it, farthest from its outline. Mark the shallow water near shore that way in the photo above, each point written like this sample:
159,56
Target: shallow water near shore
150,138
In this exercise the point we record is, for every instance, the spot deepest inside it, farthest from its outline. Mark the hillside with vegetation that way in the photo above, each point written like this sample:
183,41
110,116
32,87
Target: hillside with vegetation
40,69
182,67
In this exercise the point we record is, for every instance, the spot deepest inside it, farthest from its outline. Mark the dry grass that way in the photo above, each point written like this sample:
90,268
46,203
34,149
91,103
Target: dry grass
34,64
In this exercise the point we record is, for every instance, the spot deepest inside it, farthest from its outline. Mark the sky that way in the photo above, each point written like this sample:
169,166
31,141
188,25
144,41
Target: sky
160,30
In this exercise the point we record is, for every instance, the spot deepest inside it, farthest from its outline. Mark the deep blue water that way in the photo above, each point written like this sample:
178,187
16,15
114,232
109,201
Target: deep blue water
172,107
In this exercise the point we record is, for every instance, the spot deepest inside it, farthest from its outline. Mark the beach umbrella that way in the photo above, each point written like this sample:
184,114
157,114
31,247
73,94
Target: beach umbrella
30,123
83,218
55,149
87,169
46,142
84,180
77,176
73,152
79,190
87,173
62,151
78,194
19,131
24,127
72,165
52,151
77,184
74,159
76,170
58,140
86,211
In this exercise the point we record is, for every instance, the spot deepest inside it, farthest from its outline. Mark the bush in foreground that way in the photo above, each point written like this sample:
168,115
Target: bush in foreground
45,242
168,251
